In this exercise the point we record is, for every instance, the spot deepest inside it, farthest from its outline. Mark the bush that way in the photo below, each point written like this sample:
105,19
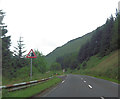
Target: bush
55,66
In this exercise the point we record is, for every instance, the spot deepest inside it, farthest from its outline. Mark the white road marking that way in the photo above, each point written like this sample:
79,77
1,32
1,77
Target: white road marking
102,97
63,81
89,86
84,81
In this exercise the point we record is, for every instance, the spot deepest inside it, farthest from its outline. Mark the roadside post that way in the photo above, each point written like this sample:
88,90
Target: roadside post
31,55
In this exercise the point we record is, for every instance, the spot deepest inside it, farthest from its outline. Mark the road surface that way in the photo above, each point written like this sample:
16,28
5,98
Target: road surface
84,86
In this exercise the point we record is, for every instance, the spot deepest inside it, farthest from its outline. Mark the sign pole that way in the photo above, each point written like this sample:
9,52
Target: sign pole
31,55
31,69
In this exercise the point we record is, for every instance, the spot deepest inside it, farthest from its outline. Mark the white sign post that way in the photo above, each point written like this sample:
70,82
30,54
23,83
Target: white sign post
31,55
31,69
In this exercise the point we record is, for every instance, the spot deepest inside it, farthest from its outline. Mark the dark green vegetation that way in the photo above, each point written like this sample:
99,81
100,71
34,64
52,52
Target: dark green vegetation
93,50
69,47
105,68
55,67
102,43
31,91
24,77
20,70
15,66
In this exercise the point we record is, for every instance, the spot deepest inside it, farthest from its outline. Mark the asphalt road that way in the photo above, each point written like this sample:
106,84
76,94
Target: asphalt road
84,86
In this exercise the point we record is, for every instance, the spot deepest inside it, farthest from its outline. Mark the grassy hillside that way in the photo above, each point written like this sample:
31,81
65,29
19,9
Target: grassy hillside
102,67
108,67
70,47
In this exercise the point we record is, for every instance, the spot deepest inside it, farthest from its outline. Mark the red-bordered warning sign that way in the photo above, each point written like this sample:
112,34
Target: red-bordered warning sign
31,54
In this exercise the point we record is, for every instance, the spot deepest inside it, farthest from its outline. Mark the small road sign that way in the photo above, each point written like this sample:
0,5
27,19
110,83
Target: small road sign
31,55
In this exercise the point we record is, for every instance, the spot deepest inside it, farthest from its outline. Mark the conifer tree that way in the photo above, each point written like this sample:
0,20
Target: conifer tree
6,42
19,54
19,50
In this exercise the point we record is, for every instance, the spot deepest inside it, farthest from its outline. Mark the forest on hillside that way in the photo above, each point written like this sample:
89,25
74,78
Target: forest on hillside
104,40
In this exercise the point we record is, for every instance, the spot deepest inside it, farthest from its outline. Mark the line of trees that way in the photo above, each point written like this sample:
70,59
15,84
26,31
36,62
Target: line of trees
105,39
6,53
55,67
12,62
68,61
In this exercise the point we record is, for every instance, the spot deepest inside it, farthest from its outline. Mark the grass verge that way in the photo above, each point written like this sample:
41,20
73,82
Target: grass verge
106,67
101,77
31,91
22,78
106,78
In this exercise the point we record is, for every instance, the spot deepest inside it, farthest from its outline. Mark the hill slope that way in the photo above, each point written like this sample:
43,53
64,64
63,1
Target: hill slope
108,67
102,67
70,47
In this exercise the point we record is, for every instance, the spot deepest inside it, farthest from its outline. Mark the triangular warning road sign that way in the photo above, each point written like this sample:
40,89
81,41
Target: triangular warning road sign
31,54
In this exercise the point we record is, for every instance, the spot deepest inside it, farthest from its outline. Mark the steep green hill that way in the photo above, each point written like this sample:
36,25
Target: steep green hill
101,41
106,67
70,47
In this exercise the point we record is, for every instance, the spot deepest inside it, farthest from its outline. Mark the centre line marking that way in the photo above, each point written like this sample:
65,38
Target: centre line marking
102,97
90,86
63,81
84,81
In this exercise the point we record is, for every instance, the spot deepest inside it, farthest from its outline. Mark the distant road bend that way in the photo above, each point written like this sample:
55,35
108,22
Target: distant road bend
83,86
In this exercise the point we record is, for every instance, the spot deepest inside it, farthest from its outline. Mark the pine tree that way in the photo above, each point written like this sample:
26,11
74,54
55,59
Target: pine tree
6,53
19,49
18,55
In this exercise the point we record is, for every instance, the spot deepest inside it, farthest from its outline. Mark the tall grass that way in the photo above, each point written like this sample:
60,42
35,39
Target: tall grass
23,75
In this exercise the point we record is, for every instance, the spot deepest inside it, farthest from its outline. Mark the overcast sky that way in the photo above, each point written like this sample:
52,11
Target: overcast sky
47,24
